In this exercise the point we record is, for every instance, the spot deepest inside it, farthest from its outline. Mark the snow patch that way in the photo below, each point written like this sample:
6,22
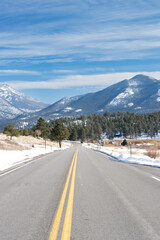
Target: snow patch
122,97
78,110
101,110
132,83
12,158
130,104
68,109
56,114
64,100
138,107
23,124
118,155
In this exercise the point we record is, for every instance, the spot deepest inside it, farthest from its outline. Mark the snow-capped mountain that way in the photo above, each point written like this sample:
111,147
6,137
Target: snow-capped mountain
7,110
14,103
138,94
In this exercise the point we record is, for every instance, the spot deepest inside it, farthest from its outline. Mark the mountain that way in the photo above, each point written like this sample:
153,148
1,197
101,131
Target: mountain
14,103
138,94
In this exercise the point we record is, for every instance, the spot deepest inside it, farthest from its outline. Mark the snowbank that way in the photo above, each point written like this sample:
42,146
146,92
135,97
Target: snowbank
119,154
12,158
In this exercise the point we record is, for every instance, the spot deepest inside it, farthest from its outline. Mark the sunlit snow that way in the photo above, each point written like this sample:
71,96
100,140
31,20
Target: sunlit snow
78,110
11,158
67,109
122,96
130,104
118,155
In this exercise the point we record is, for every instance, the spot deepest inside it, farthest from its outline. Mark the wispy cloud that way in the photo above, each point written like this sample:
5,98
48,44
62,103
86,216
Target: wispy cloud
114,43
88,29
63,71
81,80
61,40
100,7
18,72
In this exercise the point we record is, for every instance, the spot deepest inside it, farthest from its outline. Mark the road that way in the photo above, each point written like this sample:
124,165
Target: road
104,200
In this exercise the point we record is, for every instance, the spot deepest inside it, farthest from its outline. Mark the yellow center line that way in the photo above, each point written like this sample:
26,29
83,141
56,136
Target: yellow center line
55,227
66,233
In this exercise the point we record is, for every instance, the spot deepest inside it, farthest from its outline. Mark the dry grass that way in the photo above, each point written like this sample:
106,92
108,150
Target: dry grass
10,145
152,154
149,147
22,142
31,141
110,143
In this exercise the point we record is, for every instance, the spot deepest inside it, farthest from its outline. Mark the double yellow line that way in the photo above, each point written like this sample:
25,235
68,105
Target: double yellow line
66,232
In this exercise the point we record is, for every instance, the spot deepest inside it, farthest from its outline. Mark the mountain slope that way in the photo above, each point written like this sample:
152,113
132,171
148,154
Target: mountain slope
14,103
138,94
7,110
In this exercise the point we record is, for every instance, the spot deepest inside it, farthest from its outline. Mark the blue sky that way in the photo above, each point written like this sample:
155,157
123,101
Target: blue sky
51,49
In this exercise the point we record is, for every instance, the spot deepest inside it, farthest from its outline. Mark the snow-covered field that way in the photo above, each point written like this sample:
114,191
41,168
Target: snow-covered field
10,158
122,154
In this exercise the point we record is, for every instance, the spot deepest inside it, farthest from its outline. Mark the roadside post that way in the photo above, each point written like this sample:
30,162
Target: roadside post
130,149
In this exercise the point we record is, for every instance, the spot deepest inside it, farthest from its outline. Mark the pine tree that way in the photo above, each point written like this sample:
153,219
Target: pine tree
74,134
82,134
42,128
59,133
25,132
11,131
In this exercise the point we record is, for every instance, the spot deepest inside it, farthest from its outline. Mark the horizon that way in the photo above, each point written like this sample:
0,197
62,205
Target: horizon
51,50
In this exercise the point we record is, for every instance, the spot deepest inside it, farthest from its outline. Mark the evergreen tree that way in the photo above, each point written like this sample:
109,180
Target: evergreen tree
25,132
74,134
82,134
11,131
92,136
42,128
59,133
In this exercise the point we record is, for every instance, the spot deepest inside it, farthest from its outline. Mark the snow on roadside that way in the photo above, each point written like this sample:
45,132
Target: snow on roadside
11,158
119,155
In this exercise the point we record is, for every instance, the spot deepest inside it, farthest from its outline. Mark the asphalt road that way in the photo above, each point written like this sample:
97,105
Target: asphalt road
111,200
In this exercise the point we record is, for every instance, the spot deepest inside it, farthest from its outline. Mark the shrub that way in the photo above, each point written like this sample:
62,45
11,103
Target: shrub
152,153
124,143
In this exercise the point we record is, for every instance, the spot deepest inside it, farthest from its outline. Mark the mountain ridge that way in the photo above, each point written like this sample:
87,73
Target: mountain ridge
14,103
139,94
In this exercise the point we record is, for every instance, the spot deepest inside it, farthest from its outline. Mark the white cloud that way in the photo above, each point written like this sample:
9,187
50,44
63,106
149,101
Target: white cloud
114,9
53,31
18,72
115,42
81,80
104,29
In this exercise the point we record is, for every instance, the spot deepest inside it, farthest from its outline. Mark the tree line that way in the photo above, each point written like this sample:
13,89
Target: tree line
42,129
93,127
111,125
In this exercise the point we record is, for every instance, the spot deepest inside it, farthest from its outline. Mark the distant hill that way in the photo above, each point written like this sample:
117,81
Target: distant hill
138,94
14,103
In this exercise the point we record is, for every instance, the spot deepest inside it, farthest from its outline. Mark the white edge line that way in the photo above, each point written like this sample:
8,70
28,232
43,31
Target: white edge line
156,178
23,165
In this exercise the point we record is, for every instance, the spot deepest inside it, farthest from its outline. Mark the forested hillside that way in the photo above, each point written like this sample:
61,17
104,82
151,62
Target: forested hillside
95,127
112,125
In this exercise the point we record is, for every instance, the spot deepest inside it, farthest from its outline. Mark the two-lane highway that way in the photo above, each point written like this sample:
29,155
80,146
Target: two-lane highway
80,195
30,195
